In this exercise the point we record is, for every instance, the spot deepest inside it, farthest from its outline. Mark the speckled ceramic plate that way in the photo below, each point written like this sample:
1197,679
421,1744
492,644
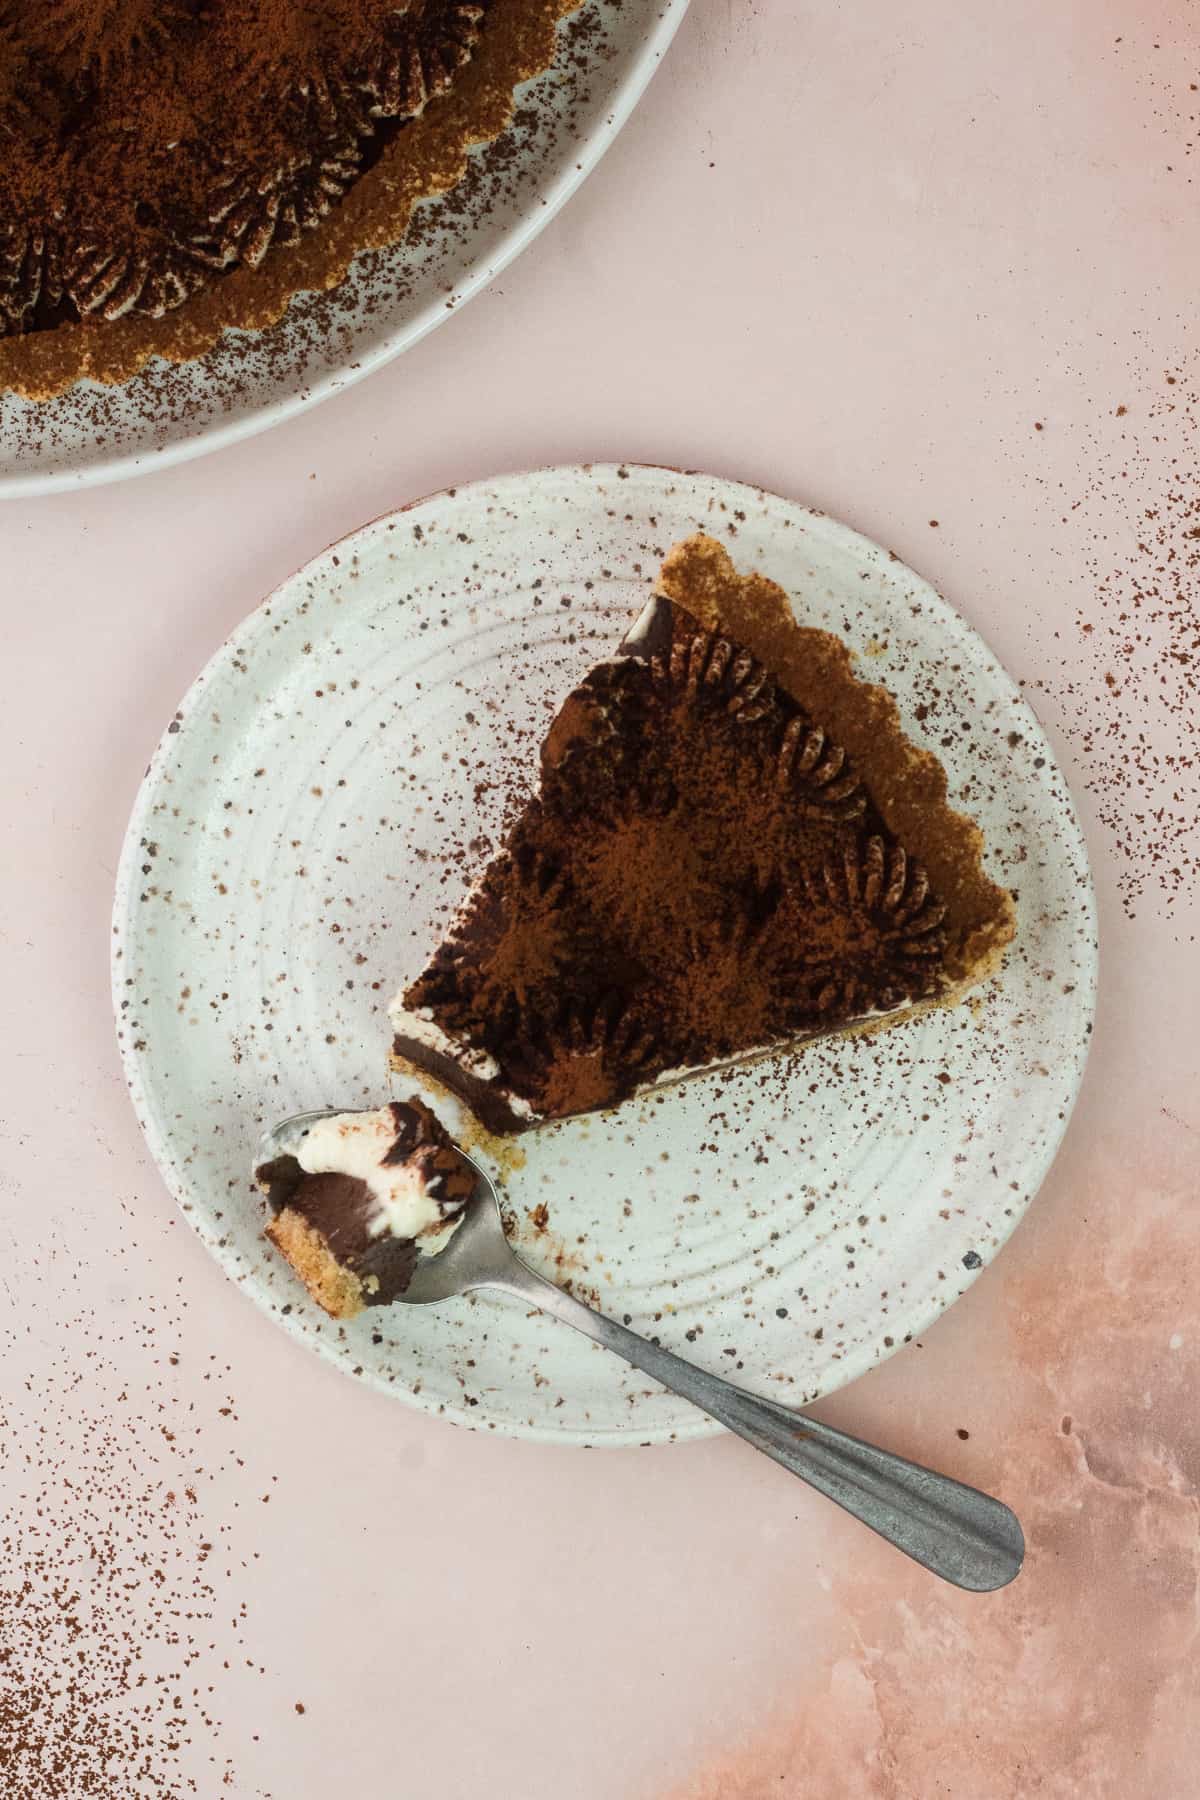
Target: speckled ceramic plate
297,846
565,121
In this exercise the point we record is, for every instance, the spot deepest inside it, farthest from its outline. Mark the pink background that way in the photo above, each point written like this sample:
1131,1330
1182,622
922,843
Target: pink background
857,253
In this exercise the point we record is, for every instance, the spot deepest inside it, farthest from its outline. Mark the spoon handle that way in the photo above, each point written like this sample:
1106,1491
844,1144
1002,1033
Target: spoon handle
966,1537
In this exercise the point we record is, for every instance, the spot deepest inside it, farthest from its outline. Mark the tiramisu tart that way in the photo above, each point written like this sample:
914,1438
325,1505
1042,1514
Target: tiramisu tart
733,849
364,1195
170,168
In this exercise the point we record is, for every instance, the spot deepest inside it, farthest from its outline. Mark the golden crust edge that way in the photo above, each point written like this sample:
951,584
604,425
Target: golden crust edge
700,575
336,1290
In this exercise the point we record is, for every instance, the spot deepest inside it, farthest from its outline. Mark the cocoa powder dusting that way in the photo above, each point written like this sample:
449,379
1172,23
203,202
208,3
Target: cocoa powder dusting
118,1570
1131,701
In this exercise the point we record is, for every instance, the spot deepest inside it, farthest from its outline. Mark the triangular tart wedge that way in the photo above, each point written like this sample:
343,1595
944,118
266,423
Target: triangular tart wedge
723,858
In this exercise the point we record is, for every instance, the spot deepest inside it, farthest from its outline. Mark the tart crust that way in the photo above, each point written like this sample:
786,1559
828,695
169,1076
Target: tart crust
339,1291
907,784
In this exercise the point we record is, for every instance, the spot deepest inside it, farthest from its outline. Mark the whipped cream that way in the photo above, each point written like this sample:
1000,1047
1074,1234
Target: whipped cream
420,1026
404,1194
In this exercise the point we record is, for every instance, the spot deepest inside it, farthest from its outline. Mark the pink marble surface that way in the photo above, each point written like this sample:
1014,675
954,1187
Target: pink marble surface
910,263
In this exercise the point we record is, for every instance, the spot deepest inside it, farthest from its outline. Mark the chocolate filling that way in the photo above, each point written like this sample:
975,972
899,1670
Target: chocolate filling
341,1208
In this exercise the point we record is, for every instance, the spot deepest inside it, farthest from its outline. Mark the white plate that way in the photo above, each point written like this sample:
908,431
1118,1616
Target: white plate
566,120
295,850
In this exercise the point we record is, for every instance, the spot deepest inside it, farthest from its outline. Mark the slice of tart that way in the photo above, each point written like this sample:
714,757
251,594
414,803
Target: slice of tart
363,1196
733,849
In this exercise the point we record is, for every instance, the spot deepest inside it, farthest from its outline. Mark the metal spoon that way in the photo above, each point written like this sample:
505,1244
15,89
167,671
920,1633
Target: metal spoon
964,1536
